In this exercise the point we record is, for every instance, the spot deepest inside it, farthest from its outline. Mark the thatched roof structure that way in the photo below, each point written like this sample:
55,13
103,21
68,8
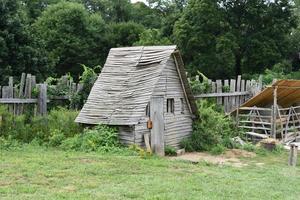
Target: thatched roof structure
126,84
288,93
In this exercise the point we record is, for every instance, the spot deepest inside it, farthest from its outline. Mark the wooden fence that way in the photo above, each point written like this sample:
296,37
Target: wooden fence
231,93
27,92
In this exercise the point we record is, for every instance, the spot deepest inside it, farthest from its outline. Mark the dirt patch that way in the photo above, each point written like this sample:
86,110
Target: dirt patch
230,157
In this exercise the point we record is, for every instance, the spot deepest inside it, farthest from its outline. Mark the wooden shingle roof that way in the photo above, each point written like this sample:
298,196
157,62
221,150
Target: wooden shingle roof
126,84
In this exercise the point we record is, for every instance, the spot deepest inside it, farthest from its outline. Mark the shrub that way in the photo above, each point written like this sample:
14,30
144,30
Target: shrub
170,151
211,128
103,138
59,122
56,138
218,149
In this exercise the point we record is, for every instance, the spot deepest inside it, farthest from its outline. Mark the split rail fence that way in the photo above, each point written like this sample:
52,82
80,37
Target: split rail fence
27,92
231,93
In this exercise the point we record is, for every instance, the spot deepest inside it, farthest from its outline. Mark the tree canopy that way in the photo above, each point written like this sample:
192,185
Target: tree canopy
220,38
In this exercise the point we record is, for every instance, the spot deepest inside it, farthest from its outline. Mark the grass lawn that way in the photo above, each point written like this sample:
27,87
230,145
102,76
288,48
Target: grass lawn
41,173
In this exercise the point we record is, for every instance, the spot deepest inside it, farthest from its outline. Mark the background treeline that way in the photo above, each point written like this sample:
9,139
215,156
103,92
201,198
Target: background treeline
220,38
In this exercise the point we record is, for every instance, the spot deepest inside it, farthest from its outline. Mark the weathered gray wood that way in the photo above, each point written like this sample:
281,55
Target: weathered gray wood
274,112
219,90
225,94
293,155
238,89
232,89
226,102
257,135
11,93
17,101
157,131
147,142
243,85
42,100
28,87
213,87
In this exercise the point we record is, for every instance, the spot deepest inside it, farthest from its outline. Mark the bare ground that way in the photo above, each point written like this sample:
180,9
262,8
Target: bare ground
230,157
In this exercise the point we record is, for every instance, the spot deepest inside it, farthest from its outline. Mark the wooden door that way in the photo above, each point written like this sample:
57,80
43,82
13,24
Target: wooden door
157,131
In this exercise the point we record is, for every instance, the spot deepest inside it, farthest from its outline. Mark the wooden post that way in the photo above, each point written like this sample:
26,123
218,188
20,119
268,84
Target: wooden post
219,90
274,112
42,99
11,93
157,131
293,155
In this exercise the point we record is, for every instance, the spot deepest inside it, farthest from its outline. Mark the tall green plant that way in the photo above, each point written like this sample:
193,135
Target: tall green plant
212,128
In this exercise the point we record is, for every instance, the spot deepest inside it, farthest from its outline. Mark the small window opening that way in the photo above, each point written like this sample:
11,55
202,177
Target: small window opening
182,105
170,105
148,110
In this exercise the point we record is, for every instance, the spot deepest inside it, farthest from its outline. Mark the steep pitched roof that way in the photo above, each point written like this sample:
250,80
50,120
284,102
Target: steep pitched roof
126,83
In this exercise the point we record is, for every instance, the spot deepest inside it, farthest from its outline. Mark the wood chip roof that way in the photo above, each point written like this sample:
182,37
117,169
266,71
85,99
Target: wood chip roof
288,93
126,83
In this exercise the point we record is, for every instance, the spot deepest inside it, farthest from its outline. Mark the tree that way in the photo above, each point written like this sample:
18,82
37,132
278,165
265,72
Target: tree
223,37
19,51
72,36
199,34
125,33
152,37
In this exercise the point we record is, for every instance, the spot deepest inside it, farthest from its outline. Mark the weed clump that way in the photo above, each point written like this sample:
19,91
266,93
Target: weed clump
212,131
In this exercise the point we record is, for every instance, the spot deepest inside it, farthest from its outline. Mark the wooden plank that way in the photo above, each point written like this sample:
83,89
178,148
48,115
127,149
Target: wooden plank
257,135
255,108
17,100
243,89
232,99
11,93
293,155
255,122
147,142
157,131
219,90
225,94
42,99
238,89
28,88
22,85
213,87
226,102
274,113
255,128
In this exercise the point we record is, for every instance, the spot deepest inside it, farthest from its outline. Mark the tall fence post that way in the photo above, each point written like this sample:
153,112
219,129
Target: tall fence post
42,99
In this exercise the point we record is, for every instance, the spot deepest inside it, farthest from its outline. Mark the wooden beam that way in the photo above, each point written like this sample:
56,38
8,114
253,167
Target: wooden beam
225,94
274,111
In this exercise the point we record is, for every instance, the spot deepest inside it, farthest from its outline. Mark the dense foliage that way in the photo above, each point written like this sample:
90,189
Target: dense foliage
221,38
212,131
58,129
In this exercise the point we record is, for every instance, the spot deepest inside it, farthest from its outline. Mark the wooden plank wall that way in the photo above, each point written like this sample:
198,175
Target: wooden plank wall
232,93
19,94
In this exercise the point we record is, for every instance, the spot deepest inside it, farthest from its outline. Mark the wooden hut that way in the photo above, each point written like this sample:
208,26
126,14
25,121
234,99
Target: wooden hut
275,112
143,91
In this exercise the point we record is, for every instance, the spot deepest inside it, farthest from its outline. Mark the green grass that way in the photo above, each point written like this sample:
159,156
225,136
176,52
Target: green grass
41,173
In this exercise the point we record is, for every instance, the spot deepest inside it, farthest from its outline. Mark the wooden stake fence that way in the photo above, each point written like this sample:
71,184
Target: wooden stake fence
231,93
19,96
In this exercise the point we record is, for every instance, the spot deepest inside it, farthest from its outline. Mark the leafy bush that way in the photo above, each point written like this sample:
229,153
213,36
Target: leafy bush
199,87
211,128
103,138
170,151
42,129
218,149
87,79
